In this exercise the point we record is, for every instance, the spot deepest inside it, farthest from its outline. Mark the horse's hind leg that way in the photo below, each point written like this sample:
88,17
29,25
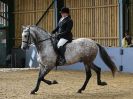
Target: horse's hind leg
88,76
42,73
50,82
98,72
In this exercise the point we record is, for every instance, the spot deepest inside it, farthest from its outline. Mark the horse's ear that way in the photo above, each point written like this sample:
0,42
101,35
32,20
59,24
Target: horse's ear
23,27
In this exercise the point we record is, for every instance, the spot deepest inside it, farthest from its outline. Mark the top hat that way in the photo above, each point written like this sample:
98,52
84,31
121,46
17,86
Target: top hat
65,10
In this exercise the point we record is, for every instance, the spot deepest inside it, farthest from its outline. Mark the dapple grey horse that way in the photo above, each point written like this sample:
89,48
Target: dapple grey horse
79,50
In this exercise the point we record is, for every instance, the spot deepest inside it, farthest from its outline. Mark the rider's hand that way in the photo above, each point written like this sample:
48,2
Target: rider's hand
52,32
53,35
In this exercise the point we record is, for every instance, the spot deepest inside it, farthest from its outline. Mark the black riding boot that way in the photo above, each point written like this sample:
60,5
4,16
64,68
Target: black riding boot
62,59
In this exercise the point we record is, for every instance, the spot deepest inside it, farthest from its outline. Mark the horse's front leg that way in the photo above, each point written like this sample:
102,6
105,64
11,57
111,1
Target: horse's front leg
42,73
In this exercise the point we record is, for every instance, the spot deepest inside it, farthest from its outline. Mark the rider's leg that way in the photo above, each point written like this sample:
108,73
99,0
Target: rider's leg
62,42
61,49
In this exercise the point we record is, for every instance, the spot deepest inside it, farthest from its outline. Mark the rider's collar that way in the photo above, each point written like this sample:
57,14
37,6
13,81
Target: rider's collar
63,18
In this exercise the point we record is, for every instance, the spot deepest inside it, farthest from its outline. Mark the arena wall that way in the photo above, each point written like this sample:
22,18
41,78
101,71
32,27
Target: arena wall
121,57
28,12
130,16
95,19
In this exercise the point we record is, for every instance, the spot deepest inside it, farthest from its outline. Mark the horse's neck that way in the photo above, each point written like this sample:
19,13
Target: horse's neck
46,51
44,47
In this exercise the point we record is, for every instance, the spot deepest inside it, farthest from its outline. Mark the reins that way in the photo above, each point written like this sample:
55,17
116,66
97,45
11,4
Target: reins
50,38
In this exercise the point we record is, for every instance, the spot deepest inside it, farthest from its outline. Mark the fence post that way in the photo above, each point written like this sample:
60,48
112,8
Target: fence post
56,12
120,22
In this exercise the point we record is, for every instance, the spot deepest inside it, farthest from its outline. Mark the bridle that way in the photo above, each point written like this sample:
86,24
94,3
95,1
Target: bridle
28,42
29,39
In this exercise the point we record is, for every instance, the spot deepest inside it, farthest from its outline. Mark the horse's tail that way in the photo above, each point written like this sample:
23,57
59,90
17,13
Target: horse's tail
107,60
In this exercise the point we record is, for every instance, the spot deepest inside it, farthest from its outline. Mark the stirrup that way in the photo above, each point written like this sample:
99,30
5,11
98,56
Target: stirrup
62,61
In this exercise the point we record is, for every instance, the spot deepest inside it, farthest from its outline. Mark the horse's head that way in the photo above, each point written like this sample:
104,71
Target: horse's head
35,34
26,38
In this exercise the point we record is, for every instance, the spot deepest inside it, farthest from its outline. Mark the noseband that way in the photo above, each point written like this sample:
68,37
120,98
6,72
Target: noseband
27,42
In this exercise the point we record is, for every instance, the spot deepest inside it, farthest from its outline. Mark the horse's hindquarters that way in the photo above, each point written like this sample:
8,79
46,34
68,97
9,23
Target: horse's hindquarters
80,49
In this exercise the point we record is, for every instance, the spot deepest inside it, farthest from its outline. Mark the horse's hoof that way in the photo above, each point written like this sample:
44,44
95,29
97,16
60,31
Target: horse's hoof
54,82
79,91
32,92
102,83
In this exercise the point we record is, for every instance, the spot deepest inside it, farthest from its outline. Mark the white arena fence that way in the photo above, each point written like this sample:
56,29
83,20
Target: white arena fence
123,58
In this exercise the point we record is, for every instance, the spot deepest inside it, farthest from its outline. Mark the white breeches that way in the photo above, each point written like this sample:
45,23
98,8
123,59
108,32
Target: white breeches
61,42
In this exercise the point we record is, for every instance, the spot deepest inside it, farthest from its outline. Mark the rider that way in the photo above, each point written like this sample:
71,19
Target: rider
64,34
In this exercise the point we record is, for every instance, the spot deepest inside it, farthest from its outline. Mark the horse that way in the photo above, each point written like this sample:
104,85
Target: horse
79,50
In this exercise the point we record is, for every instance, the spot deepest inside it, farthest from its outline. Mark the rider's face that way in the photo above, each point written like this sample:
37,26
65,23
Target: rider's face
64,14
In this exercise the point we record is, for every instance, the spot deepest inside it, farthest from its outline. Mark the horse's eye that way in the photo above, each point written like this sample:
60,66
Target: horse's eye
25,36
